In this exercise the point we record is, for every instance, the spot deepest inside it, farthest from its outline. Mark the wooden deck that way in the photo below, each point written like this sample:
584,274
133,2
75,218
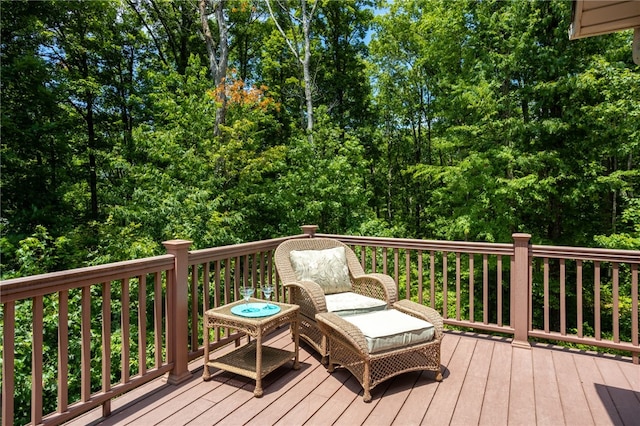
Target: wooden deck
486,381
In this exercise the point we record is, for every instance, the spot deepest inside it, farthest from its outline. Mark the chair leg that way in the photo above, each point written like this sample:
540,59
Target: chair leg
366,382
439,376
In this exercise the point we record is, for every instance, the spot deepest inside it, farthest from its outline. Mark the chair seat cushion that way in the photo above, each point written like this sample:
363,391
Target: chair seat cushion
391,329
327,268
349,303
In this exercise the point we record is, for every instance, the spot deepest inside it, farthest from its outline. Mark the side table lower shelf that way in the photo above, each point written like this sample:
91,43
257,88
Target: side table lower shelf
243,360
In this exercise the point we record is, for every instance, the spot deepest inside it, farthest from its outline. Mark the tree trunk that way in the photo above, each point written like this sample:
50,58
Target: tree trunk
218,55
308,92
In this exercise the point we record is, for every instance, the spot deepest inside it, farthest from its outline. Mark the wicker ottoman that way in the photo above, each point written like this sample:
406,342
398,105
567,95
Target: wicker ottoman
373,358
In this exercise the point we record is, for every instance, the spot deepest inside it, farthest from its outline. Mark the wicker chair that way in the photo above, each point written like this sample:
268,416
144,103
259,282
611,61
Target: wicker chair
310,296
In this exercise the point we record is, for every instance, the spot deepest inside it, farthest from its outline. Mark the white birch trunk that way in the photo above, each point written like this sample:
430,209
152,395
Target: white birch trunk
218,54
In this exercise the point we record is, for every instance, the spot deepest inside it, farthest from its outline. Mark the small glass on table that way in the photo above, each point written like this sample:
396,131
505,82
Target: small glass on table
247,292
267,290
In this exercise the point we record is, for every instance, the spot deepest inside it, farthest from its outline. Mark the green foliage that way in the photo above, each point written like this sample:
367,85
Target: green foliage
489,127
459,120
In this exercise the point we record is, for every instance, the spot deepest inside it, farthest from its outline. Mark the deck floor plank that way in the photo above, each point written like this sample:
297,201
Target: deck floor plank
621,391
487,381
421,396
322,393
446,398
469,407
521,394
333,409
359,411
294,400
602,408
548,403
394,398
574,402
495,404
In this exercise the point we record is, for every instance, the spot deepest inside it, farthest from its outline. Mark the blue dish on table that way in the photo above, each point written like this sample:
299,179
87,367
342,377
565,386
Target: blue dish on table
255,310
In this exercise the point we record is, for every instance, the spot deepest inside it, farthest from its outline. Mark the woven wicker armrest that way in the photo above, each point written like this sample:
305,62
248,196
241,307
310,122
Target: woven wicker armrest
331,323
378,286
423,312
313,300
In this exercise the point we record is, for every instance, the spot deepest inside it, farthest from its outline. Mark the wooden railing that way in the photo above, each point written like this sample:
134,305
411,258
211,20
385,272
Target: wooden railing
79,335
528,291
115,327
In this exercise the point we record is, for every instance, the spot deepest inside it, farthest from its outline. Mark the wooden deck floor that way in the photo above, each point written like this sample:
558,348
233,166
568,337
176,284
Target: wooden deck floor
486,381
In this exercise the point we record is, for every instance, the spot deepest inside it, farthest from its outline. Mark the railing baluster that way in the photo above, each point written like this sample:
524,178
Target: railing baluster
142,325
471,288
634,310
157,318
596,299
238,275
579,297
124,324
384,261
8,361
499,297
616,303
217,286
262,269
374,259
36,361
420,277
485,289
254,273
245,270
445,291
432,278
270,274
206,303
63,350
85,344
546,294
106,344
563,300
407,267
512,294
396,266
194,307
458,292
227,281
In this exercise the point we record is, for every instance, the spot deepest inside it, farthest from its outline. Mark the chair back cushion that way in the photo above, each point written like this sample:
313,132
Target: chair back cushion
327,268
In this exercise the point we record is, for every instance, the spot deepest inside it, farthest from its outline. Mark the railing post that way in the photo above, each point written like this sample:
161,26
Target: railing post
309,230
178,312
520,282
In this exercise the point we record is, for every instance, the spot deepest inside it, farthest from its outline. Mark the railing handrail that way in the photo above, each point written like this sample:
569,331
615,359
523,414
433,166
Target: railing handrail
15,289
224,252
585,253
425,245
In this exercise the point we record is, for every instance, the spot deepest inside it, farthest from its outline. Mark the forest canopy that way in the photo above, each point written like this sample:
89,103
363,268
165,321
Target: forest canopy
126,123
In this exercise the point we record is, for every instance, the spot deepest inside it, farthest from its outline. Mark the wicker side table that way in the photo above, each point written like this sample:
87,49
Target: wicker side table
252,360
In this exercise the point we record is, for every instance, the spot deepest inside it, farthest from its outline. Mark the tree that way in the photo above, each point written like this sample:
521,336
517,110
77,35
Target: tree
218,52
296,31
